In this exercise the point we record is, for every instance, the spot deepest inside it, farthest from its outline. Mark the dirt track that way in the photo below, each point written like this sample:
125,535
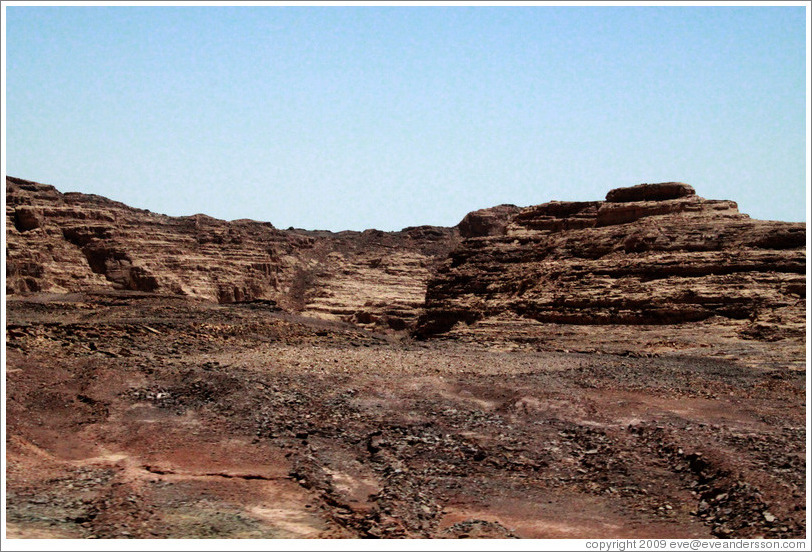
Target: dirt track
143,416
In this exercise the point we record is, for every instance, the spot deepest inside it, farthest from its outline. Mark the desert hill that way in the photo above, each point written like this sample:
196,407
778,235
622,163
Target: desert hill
649,254
78,242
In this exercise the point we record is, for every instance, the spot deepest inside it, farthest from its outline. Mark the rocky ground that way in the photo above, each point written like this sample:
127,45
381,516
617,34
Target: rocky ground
148,415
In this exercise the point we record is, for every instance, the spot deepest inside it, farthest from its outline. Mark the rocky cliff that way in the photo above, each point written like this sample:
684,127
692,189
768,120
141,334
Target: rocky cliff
649,254
68,242
369,278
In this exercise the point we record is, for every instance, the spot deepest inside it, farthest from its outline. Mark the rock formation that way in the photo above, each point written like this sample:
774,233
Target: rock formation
649,254
637,368
77,242
71,242
487,222
369,278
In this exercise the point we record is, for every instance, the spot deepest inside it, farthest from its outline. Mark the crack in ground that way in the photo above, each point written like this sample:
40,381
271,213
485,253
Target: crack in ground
250,476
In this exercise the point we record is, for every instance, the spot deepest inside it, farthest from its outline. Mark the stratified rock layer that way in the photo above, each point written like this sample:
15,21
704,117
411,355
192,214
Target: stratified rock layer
372,277
650,254
74,242
77,242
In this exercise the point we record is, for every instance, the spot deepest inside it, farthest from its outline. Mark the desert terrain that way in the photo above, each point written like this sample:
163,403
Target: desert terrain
633,367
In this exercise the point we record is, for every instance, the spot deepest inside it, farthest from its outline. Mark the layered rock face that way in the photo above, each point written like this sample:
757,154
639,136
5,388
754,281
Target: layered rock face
369,278
649,254
76,242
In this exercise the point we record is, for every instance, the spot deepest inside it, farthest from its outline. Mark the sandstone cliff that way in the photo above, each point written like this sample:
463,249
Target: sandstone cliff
77,242
649,254
369,278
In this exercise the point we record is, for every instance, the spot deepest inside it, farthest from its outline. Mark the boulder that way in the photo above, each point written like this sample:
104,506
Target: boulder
650,192
487,222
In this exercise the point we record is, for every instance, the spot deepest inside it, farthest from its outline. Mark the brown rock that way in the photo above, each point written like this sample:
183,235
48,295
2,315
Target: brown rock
655,254
487,222
26,218
77,242
650,192
639,262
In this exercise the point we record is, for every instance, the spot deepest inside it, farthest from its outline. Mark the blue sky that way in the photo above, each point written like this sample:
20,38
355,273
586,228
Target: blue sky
385,117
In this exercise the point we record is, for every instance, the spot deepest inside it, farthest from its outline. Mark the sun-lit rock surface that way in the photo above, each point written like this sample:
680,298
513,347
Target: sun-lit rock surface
650,254
77,242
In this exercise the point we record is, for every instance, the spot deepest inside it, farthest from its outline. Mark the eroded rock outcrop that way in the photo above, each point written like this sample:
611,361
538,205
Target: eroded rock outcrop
75,242
371,278
78,242
487,222
650,192
649,254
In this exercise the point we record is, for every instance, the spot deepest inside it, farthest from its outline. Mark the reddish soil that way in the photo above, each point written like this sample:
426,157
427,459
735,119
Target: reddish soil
133,415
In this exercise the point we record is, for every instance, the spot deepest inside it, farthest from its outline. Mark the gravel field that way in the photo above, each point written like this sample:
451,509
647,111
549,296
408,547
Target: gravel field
146,416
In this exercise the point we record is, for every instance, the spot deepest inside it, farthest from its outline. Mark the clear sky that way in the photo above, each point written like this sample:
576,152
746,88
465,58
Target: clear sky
385,117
